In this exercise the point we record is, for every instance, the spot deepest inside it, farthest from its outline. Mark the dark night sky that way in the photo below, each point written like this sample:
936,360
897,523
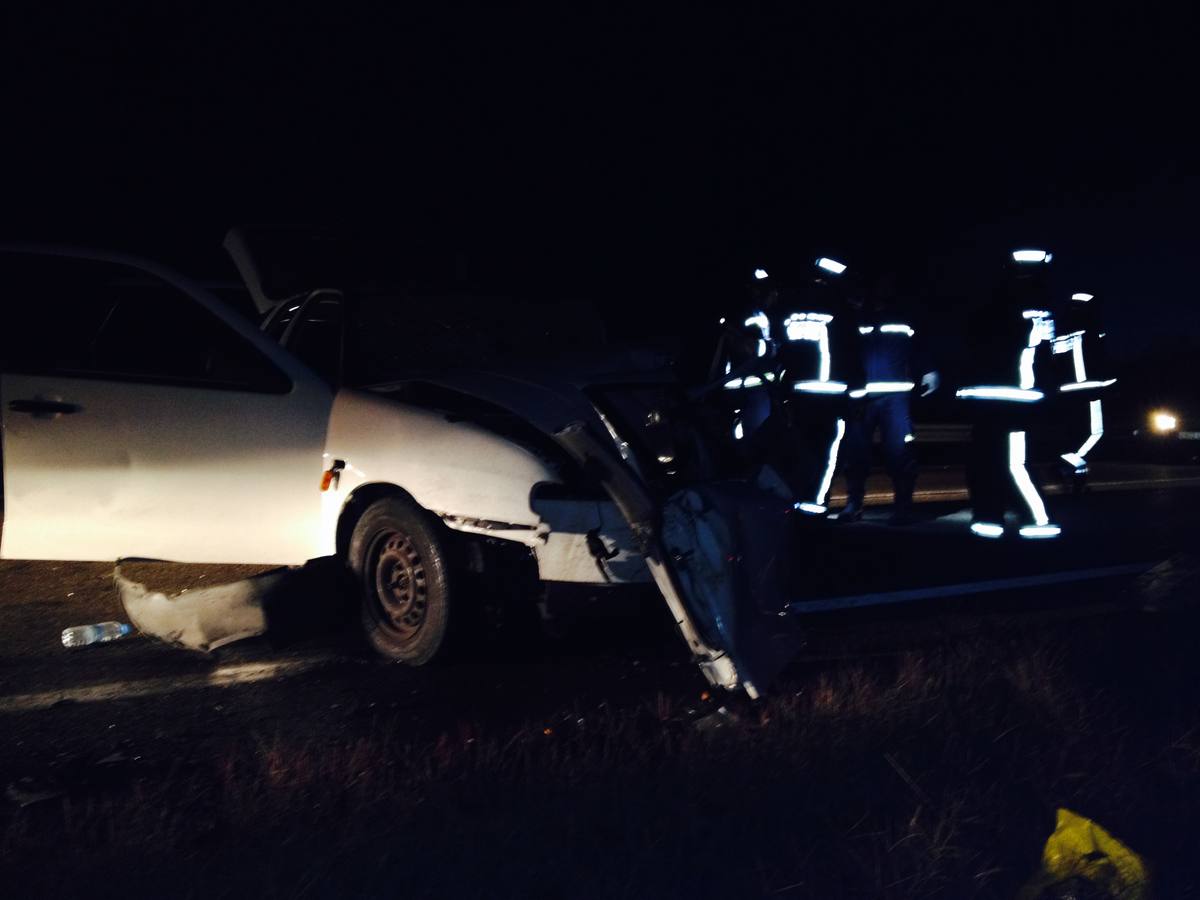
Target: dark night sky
645,155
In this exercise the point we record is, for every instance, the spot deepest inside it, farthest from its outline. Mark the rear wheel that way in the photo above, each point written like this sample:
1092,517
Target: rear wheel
399,558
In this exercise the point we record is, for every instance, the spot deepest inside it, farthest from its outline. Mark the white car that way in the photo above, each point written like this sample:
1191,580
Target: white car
143,417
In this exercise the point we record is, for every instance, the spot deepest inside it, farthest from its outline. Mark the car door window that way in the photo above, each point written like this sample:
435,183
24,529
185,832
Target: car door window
85,318
49,322
316,339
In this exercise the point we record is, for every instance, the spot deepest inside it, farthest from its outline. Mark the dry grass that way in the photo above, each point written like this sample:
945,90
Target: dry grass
934,773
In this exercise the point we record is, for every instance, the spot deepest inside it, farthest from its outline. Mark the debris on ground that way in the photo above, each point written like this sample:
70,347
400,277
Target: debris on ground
1081,859
201,619
99,633
27,791
715,722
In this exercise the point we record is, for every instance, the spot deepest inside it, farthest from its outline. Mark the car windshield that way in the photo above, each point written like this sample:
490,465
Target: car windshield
390,336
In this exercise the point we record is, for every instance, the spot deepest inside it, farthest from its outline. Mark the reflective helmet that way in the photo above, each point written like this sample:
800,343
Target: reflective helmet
1029,263
831,277
828,267
1026,282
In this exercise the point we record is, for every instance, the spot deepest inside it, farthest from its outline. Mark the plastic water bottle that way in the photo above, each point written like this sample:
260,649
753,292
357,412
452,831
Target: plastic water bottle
101,632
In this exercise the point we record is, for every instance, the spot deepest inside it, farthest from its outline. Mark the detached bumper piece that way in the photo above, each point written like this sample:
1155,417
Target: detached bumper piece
201,619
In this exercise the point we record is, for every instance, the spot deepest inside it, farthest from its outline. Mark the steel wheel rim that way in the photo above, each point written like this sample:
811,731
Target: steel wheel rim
401,588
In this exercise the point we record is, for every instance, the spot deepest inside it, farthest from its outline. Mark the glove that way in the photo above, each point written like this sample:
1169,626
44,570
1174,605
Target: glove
930,382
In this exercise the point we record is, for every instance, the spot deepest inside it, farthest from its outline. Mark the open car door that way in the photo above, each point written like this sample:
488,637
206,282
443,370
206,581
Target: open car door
716,553
142,418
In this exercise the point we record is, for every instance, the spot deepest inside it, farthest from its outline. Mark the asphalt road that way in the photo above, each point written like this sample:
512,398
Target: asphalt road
1121,550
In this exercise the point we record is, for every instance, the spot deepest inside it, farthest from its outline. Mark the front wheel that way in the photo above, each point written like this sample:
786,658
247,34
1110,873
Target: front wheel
399,560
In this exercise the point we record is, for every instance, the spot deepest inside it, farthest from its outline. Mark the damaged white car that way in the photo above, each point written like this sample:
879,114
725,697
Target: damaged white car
142,417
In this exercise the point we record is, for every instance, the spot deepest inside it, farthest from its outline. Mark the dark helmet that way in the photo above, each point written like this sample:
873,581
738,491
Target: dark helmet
1080,313
833,278
1026,281
762,287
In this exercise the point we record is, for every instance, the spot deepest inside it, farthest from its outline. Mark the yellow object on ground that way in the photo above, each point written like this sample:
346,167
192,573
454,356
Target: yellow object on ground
1080,851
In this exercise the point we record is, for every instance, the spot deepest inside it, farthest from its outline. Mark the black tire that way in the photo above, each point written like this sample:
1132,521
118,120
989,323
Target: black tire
399,559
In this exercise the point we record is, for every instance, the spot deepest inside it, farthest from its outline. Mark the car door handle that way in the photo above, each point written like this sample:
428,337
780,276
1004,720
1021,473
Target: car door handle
44,409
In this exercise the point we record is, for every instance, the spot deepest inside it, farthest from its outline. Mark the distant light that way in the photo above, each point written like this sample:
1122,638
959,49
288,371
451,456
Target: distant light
1162,422
1082,298
831,265
813,509
908,439
865,329
1036,314
897,329
1031,256
760,274
666,460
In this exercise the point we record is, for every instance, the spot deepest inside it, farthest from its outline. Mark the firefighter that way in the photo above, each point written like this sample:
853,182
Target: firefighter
816,366
1082,367
1007,339
744,359
883,403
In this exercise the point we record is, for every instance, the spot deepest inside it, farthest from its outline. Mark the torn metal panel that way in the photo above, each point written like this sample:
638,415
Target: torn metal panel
204,618
483,526
585,540
729,548
714,553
